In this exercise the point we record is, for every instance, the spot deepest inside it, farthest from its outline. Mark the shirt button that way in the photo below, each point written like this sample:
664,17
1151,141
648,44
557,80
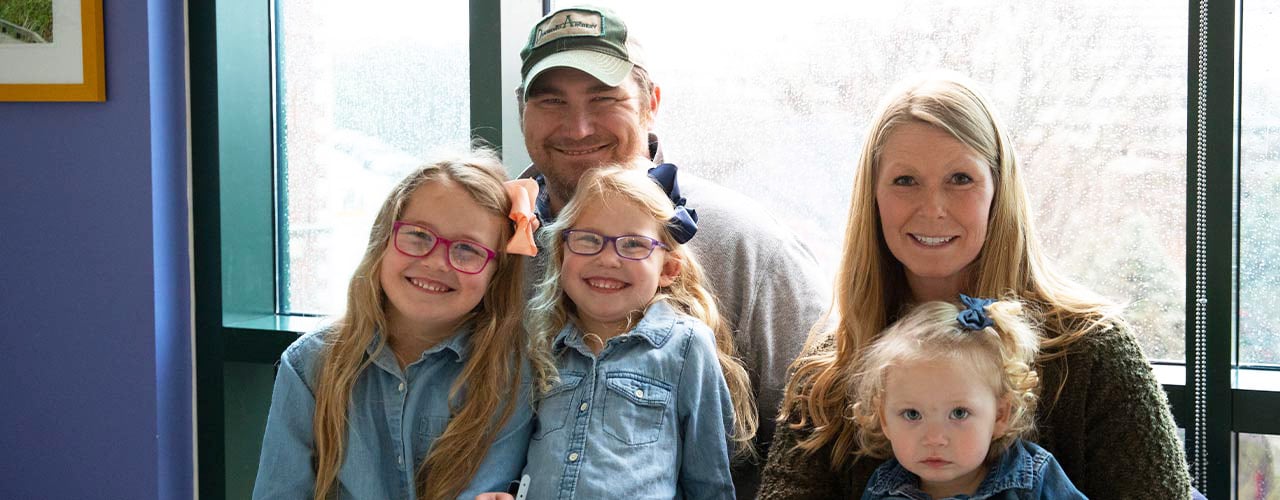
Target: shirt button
573,457
639,393
401,386
582,407
400,459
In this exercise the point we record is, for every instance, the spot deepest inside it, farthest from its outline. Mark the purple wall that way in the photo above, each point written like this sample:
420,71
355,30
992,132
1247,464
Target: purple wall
95,370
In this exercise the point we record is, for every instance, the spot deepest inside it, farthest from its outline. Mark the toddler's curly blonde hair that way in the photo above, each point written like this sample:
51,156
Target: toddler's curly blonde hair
931,331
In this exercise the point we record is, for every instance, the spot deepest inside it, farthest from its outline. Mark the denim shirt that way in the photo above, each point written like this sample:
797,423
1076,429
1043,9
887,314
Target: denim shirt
1025,471
393,418
650,417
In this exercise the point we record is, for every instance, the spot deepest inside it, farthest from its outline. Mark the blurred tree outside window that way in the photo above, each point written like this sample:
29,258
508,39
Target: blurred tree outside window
774,102
1260,184
364,98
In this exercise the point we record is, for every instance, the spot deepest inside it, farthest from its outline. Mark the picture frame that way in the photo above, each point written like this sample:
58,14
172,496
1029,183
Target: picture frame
69,67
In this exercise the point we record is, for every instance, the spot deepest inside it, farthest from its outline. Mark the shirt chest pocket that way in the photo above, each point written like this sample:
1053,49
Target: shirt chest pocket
429,429
635,407
554,407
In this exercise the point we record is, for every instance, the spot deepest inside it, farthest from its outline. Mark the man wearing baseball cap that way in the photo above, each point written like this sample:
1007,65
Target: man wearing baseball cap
586,100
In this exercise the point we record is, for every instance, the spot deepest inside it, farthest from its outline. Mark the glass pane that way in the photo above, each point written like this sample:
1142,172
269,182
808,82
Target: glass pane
1260,184
1259,467
364,94
1094,93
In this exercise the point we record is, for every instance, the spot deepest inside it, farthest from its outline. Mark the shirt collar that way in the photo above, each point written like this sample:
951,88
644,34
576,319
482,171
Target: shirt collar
655,149
459,343
542,206
894,479
1016,469
655,327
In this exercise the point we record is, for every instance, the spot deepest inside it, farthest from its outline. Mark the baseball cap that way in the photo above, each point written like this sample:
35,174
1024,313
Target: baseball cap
591,39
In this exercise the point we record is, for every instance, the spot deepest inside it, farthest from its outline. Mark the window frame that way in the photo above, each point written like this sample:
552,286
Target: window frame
234,202
234,199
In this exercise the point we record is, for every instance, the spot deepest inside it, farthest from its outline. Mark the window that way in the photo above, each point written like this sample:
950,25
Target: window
1258,455
1260,185
1109,109
1094,93
362,98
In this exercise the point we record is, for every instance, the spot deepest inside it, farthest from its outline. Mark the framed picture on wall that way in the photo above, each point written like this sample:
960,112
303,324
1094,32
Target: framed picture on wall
51,50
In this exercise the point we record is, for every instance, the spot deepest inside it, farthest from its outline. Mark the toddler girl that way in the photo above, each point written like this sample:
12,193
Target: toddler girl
949,392
416,391
640,395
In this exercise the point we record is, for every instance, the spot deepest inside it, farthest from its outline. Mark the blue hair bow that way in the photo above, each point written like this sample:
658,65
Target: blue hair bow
974,316
684,224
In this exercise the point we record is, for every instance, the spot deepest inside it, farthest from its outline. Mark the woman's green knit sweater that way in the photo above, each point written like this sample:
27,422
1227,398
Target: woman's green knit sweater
1110,428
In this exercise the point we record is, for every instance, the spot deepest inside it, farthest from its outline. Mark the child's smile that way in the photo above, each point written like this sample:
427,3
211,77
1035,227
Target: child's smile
425,295
430,286
606,285
607,289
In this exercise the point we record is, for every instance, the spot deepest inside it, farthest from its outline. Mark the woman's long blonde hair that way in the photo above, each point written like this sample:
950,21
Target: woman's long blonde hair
871,287
1004,352
551,309
490,378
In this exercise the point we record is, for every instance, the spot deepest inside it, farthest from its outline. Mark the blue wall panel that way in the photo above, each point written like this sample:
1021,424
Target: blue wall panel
94,286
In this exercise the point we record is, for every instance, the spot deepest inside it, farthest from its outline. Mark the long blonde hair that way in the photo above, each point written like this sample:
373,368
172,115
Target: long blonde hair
491,375
871,287
551,309
1005,351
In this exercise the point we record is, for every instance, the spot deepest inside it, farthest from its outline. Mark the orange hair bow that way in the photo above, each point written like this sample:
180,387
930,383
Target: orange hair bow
523,194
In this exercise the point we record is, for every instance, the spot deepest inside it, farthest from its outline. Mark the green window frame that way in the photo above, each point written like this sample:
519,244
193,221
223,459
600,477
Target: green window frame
239,332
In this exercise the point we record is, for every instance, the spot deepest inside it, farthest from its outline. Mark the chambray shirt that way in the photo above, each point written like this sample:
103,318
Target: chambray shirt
1024,472
392,420
650,417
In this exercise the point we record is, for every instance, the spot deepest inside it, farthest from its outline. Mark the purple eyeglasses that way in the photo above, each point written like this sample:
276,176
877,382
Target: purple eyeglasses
627,246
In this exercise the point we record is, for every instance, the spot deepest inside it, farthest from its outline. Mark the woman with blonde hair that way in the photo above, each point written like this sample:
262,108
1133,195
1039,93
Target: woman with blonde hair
938,209
420,389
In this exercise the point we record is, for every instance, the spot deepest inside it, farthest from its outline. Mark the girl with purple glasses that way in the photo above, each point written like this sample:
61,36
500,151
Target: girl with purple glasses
639,393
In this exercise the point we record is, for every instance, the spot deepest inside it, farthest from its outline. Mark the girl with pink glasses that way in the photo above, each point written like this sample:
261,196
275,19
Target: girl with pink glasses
416,392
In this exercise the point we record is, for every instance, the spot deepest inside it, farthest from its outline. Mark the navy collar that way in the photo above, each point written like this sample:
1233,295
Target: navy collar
542,206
